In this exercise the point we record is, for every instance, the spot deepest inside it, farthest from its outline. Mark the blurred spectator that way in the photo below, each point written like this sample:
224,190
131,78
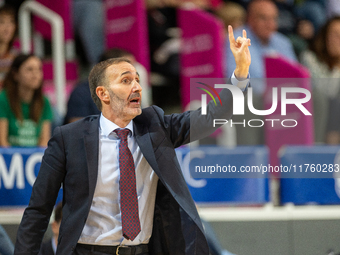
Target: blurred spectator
25,114
164,40
287,19
162,22
312,10
203,4
6,245
290,12
299,29
231,14
302,36
323,62
81,104
50,246
262,25
164,37
7,33
305,29
88,21
261,28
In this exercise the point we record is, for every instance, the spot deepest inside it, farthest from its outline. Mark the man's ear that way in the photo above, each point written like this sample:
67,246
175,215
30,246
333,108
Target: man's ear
103,94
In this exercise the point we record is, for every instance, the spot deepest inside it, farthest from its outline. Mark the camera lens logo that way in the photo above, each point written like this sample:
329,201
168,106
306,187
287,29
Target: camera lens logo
204,97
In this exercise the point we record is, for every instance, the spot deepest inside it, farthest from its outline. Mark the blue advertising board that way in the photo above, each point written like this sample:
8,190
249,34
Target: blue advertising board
317,179
18,170
320,185
222,187
20,166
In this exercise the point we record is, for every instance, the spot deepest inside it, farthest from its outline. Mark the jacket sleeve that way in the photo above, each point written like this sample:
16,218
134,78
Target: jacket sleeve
189,126
44,194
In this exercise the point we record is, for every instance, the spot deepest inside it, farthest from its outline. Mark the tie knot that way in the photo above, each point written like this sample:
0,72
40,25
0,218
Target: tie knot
122,133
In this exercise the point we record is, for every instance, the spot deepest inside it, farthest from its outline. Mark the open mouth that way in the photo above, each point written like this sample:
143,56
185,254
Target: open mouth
135,101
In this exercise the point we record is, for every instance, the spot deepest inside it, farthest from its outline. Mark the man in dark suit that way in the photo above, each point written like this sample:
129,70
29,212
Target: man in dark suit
91,157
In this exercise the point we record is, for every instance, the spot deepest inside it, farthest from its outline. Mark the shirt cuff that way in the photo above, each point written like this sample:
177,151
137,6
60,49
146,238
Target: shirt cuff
242,83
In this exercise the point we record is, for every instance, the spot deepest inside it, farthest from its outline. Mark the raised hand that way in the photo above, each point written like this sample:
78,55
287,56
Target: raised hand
240,50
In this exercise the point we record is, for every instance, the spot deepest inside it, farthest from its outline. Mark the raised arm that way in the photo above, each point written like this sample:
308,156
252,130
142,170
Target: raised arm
239,48
190,126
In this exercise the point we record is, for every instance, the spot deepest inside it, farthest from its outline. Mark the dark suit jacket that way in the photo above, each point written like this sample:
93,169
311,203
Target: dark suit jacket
46,248
71,160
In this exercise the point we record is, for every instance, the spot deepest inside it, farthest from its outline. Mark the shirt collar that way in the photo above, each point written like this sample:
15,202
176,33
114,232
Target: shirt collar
108,126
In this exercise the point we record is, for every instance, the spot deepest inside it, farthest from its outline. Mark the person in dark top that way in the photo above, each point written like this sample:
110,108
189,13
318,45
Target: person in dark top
80,103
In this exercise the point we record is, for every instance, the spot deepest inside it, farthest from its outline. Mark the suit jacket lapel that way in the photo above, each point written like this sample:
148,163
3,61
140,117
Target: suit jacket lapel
143,139
91,143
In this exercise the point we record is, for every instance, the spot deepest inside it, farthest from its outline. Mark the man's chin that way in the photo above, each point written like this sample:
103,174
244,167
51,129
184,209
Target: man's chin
135,111
139,111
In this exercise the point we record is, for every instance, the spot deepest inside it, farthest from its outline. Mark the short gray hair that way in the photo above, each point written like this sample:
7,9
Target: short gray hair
97,77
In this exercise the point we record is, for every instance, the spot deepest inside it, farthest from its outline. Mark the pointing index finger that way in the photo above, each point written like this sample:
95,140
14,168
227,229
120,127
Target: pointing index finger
231,34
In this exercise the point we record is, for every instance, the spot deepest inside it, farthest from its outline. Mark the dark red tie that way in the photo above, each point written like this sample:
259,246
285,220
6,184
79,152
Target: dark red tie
127,186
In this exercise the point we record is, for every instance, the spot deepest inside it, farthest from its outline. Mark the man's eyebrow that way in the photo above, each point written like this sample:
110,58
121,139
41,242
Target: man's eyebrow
128,72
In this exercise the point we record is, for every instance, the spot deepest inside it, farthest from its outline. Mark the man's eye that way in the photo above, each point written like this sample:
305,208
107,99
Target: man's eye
125,80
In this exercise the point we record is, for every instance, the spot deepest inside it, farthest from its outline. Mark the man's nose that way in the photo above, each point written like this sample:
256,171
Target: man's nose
137,86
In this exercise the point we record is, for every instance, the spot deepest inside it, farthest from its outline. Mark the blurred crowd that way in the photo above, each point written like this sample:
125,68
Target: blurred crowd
301,31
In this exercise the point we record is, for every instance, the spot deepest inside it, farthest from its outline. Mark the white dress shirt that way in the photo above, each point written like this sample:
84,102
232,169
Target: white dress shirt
103,225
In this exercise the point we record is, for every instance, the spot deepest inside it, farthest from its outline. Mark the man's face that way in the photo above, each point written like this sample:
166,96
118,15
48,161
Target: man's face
122,83
262,19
